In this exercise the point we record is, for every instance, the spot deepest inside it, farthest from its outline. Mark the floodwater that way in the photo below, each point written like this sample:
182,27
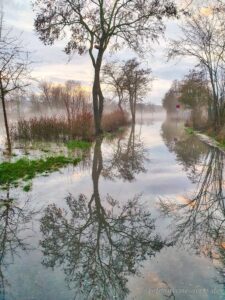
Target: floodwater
142,217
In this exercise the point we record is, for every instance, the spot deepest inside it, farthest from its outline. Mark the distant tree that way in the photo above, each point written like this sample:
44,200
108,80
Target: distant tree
129,81
196,95
204,39
74,100
90,25
113,77
70,97
194,90
136,83
35,102
14,64
171,98
46,88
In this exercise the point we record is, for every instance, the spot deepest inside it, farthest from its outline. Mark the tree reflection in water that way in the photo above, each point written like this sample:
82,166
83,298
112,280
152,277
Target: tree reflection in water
127,160
98,245
14,220
201,219
199,222
188,149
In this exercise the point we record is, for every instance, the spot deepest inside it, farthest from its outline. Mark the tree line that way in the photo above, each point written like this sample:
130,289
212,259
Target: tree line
203,39
191,93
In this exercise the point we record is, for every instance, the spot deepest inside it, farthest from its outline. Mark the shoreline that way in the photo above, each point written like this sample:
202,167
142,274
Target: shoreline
206,139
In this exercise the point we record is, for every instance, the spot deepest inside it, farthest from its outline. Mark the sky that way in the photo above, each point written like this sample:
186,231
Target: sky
52,64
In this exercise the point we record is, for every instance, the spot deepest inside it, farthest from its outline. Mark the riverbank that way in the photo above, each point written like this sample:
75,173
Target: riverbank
209,140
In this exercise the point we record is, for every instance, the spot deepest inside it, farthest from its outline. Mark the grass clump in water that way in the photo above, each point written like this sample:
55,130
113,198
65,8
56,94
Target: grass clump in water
189,130
74,144
26,169
27,187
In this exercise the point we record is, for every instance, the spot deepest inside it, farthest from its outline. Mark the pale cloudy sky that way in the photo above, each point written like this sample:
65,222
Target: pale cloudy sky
51,63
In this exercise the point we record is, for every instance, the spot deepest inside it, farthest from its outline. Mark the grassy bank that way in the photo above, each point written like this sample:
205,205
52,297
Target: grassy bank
25,169
208,137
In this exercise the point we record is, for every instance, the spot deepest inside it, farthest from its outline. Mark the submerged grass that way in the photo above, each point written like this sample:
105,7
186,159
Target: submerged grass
189,130
27,187
83,145
26,169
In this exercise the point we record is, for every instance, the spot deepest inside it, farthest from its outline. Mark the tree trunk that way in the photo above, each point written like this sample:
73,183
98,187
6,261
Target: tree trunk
120,95
216,113
120,105
6,123
135,100
132,108
98,99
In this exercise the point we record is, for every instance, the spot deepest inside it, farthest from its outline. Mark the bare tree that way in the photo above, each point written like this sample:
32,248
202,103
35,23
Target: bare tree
75,100
129,81
70,97
204,39
46,89
13,70
114,79
136,83
90,24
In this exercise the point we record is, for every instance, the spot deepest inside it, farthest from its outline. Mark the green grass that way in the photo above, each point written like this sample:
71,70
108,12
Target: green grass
221,145
74,144
189,130
114,134
26,169
27,187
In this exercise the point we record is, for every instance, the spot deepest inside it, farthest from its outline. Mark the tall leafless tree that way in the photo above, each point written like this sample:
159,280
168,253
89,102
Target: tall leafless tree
90,24
204,39
14,64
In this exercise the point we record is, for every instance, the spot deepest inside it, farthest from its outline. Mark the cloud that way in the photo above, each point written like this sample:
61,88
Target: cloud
18,14
61,72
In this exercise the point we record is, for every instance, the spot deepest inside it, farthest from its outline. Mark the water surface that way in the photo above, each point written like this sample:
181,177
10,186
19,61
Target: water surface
142,217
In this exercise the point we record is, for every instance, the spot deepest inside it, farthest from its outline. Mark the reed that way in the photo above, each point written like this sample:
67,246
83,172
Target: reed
59,128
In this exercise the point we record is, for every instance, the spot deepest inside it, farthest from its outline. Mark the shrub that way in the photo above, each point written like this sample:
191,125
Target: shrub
54,128
80,127
114,120
46,128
